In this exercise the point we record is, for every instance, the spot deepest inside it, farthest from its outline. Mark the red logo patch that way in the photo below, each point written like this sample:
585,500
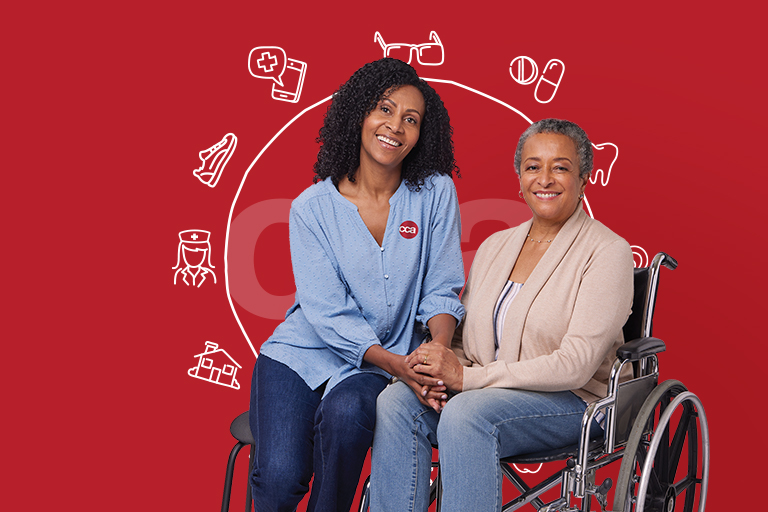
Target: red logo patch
409,229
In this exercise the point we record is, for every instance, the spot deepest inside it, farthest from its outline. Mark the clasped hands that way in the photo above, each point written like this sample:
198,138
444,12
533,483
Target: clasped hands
443,369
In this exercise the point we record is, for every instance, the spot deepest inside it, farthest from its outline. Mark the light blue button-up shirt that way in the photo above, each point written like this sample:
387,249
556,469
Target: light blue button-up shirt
352,293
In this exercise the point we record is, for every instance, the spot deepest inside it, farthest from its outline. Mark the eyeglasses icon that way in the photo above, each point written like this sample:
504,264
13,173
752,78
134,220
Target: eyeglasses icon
428,54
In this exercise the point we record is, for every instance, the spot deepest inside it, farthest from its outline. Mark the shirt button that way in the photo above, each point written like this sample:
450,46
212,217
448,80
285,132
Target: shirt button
389,305
386,276
382,249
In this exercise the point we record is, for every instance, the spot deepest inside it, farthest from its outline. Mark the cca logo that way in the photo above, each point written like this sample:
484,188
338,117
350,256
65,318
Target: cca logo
409,229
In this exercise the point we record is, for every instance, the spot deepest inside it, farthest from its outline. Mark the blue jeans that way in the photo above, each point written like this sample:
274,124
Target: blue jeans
475,430
298,433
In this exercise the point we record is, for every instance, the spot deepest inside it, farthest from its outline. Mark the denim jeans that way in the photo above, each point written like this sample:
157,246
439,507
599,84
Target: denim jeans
475,430
298,433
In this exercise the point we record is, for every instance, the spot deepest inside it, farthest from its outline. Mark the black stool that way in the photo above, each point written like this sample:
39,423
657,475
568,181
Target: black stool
241,430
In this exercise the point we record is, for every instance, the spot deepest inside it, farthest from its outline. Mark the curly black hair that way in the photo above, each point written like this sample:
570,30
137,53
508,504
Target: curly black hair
340,136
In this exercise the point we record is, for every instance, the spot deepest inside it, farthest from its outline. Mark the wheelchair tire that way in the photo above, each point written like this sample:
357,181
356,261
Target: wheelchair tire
670,453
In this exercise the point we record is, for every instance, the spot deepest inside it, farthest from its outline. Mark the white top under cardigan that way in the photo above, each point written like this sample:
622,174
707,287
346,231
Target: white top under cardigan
506,297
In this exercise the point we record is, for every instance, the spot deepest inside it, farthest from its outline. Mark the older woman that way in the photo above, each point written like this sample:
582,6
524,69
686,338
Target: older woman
545,303
375,249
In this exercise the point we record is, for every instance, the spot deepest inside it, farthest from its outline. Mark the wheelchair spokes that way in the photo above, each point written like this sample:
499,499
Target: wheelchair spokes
659,473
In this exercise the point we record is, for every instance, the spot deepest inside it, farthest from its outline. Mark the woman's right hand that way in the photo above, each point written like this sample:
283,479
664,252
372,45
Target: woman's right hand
440,362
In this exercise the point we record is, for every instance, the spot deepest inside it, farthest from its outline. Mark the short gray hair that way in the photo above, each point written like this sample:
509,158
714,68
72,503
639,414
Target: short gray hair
562,127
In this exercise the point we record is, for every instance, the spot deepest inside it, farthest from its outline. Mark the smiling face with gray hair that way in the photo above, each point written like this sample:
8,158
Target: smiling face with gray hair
560,126
550,180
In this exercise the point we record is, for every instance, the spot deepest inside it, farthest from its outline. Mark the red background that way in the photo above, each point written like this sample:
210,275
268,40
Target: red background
107,106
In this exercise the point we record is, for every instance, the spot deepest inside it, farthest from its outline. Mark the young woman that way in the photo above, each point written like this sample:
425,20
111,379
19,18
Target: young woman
375,249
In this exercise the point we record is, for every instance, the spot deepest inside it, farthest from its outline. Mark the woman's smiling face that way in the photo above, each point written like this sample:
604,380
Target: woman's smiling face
549,177
392,128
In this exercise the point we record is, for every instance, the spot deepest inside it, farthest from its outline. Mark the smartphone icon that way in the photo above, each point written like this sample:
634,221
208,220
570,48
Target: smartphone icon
293,80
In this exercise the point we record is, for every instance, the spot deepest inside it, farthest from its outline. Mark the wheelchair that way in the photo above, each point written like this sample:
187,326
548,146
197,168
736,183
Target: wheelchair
657,430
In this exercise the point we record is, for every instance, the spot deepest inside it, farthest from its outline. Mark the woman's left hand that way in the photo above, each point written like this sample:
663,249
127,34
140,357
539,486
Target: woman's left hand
438,361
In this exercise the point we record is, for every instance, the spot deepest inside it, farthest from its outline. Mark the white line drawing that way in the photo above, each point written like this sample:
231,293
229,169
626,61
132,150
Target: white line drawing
639,256
215,365
193,248
271,63
604,177
294,81
427,54
553,68
638,252
523,70
586,203
214,159
526,470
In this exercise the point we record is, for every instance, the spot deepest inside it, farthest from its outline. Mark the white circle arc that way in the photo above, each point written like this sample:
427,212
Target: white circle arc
289,123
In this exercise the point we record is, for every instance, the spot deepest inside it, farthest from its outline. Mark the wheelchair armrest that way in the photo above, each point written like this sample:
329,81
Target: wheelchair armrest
640,348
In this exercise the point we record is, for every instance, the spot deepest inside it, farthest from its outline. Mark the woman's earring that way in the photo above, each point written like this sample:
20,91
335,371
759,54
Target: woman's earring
581,196
520,193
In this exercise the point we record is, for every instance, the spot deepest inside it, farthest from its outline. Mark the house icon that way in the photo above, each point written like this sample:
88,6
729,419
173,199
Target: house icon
215,365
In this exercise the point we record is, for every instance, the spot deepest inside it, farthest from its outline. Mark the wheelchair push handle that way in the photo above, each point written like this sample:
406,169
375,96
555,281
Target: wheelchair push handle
665,259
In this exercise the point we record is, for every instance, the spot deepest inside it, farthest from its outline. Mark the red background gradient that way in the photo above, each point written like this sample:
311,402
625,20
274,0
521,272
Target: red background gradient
106,110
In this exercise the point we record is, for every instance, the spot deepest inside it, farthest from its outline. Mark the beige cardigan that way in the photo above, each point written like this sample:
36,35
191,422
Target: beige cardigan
564,326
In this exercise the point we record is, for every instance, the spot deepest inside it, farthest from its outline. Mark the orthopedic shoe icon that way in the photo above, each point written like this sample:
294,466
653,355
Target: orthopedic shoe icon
215,159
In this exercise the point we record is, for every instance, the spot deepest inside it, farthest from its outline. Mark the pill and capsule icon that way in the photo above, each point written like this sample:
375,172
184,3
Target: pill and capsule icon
549,81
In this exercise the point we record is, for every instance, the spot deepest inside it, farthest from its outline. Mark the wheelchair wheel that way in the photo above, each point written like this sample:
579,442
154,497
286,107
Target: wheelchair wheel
661,463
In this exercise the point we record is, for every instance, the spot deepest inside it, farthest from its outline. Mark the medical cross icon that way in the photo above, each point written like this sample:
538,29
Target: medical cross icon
194,236
287,75
267,66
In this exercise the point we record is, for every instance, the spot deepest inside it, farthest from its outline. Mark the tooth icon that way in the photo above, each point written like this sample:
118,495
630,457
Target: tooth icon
604,176
215,159
551,77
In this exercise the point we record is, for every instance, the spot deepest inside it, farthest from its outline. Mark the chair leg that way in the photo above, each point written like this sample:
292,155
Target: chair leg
228,477
365,496
248,496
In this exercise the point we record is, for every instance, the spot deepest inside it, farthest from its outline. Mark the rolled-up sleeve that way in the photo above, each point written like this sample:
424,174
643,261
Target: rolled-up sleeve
322,295
444,275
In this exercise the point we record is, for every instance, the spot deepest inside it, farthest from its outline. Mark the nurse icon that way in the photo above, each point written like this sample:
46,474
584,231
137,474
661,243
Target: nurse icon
194,249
